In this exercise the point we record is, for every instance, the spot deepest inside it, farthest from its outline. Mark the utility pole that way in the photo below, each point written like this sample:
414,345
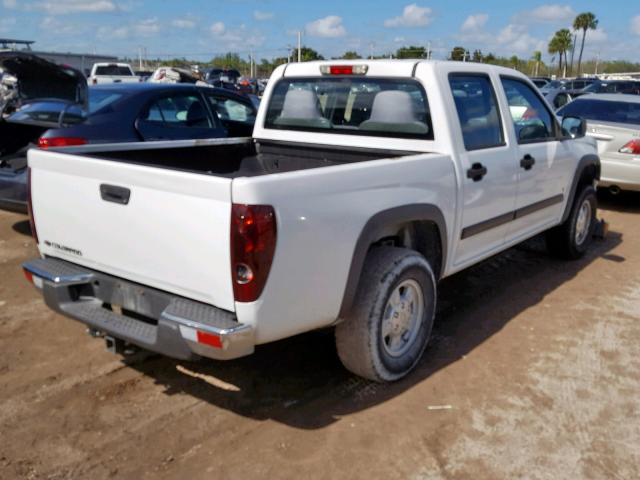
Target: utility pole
429,51
139,58
299,46
371,51
597,62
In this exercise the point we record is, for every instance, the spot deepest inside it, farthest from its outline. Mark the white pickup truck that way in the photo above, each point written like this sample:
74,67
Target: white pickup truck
112,73
364,184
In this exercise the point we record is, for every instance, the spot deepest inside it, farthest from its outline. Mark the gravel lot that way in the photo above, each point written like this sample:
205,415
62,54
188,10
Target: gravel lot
534,372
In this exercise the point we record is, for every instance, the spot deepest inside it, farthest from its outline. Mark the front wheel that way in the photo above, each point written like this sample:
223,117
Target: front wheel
572,239
390,324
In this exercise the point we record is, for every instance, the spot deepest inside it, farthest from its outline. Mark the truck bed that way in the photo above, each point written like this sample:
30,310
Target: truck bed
246,158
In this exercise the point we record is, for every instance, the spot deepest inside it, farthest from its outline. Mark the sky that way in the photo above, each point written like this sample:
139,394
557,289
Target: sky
199,30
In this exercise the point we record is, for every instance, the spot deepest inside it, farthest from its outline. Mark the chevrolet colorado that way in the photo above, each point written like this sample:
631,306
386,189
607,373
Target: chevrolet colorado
364,183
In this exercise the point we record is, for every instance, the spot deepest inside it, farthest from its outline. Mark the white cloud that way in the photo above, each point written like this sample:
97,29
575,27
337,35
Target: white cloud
399,39
550,14
186,23
262,16
10,4
412,16
328,27
517,39
597,36
217,28
6,24
635,25
237,38
61,27
110,33
62,7
147,28
474,23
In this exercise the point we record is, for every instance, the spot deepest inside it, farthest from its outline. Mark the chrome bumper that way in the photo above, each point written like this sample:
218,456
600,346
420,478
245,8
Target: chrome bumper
143,316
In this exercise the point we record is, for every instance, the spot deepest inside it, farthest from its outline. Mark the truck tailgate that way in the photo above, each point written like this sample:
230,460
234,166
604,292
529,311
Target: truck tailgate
172,234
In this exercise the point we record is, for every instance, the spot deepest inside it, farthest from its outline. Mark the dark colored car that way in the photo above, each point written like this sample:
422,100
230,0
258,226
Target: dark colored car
614,86
112,113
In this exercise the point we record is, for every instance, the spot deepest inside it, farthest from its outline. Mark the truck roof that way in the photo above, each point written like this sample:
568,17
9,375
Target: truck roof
394,67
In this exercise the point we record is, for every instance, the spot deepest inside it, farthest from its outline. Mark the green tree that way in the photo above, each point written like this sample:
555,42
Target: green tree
411,52
561,44
514,61
477,56
537,58
584,21
457,54
307,54
350,55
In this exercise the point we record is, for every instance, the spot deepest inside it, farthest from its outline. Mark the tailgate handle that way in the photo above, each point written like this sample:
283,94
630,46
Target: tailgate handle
115,194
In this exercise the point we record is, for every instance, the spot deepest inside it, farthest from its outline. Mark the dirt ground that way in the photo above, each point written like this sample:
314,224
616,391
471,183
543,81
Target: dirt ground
533,373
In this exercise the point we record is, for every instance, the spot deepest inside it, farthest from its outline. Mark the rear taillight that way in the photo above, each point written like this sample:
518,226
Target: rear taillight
32,220
632,147
44,142
253,243
94,81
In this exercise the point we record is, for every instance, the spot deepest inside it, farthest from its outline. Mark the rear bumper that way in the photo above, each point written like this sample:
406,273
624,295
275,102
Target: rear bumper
621,172
143,316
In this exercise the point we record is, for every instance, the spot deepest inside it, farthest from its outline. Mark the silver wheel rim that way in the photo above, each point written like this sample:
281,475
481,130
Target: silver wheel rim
583,223
402,318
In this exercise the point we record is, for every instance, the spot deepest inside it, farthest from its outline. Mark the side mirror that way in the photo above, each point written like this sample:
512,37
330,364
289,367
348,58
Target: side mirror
574,127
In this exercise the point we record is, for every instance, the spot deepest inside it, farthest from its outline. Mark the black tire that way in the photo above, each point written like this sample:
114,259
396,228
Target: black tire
361,346
563,240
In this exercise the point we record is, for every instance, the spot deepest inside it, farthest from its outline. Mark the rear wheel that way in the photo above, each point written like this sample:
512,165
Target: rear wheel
389,326
572,239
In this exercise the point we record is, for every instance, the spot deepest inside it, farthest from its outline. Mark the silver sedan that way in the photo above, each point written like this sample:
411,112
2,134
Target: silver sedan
614,121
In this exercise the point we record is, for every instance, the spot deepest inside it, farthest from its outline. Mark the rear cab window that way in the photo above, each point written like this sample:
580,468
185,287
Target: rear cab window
370,106
603,111
114,70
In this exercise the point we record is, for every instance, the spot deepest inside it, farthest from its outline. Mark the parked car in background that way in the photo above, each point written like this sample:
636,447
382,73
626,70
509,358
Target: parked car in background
228,75
540,81
74,115
614,121
112,73
558,97
614,86
175,75
27,78
575,84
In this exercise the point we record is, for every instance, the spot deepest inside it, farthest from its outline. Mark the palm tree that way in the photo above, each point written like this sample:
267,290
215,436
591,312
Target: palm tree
561,44
584,21
554,49
537,57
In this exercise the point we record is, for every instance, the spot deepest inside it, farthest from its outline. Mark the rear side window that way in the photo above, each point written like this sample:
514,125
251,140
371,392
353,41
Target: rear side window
229,109
351,106
477,110
178,111
603,111
532,120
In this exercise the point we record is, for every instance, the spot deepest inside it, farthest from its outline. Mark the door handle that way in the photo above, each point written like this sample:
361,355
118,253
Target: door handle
115,194
527,162
476,172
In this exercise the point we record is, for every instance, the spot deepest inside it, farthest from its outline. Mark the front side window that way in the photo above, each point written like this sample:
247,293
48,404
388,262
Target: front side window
351,105
532,121
477,111
178,111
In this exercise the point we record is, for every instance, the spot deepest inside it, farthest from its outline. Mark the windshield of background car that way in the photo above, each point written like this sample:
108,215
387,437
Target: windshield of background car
99,99
352,106
603,111
114,70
